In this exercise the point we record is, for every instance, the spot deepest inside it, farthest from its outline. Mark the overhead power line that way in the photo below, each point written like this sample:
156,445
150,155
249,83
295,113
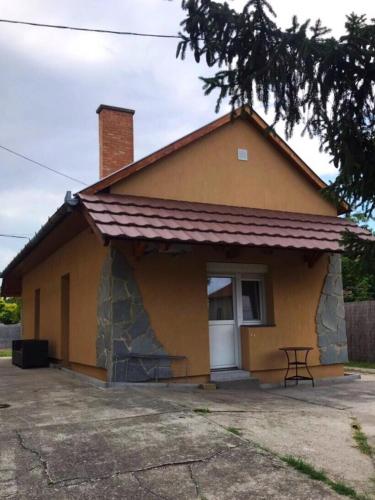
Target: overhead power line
42,165
14,236
91,30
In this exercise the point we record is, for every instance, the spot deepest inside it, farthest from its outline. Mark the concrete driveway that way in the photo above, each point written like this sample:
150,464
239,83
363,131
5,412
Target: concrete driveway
62,438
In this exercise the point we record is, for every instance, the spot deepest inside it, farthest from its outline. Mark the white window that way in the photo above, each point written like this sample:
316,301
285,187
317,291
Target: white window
248,290
251,300
242,154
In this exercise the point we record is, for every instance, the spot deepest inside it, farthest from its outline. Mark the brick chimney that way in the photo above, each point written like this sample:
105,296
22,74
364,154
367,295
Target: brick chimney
116,144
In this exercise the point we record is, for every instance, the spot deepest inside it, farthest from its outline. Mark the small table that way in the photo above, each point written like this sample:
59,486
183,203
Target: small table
295,364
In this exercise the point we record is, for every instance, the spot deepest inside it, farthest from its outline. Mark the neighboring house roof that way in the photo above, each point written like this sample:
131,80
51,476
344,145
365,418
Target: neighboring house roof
225,292
133,217
244,113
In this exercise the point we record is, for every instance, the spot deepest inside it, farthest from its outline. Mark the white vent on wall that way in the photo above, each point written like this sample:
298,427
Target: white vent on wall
242,154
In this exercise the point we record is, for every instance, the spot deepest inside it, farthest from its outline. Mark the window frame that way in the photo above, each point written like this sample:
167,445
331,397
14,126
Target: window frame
259,278
243,272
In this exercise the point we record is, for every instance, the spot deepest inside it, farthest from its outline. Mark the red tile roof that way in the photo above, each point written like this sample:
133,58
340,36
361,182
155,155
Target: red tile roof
133,217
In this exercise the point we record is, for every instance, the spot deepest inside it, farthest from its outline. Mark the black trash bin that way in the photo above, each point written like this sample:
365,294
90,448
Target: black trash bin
30,353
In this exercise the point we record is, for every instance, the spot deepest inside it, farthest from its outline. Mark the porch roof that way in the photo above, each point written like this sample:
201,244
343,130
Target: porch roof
133,217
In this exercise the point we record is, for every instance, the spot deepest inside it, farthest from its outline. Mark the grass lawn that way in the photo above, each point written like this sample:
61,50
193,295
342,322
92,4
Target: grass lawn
5,353
360,364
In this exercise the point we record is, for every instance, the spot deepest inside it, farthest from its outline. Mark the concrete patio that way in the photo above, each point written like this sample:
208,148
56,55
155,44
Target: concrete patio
64,438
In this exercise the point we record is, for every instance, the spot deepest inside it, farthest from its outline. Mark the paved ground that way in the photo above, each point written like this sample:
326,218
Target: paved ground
64,439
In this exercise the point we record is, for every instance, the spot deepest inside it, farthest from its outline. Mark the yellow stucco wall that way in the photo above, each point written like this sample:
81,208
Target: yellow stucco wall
208,171
296,292
82,257
175,296
262,357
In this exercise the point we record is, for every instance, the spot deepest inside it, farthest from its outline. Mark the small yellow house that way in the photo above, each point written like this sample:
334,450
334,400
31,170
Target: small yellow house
218,248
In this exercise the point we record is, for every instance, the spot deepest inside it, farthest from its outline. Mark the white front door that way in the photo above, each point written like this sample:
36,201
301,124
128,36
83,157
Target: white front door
222,323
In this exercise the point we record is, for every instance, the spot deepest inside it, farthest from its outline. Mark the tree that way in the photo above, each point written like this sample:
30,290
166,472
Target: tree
357,283
358,266
309,77
10,311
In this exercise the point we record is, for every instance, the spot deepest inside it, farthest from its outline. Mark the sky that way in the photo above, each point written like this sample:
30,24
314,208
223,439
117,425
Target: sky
52,82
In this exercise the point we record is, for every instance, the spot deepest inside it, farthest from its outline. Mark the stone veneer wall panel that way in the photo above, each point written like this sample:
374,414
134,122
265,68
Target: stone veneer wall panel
124,325
330,318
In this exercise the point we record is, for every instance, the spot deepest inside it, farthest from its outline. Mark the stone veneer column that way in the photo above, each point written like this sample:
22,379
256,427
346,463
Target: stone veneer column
124,325
330,318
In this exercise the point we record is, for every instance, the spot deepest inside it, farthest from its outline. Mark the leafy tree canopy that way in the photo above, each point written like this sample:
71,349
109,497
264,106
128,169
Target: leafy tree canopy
10,311
308,76
358,265
357,283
